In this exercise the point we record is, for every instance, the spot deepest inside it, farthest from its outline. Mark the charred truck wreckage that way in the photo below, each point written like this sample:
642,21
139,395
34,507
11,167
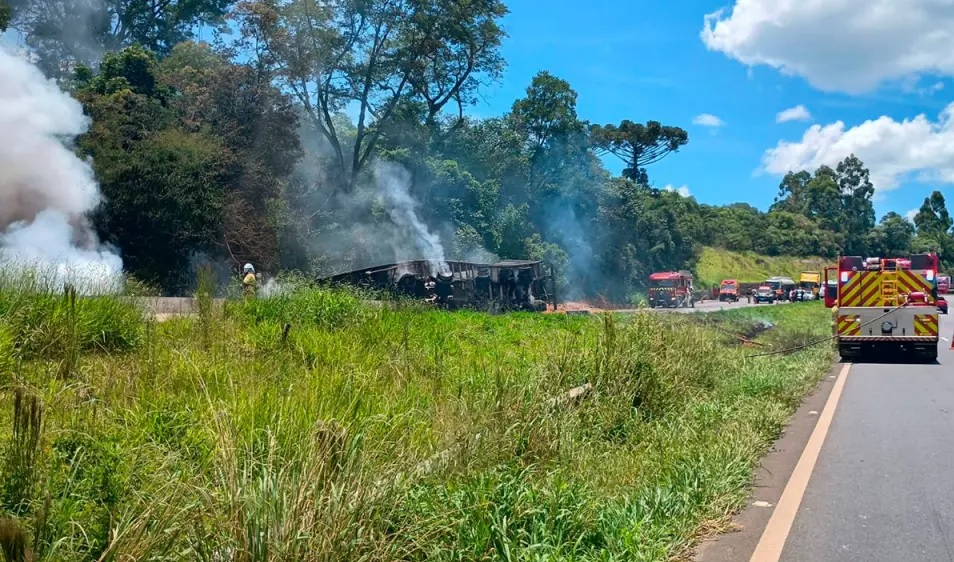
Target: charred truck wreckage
507,285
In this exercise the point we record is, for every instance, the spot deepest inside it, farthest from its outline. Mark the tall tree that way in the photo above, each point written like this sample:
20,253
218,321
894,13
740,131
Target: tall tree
373,57
858,215
638,145
257,123
933,218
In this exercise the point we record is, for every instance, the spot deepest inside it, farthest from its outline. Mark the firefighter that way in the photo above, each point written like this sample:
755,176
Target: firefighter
249,281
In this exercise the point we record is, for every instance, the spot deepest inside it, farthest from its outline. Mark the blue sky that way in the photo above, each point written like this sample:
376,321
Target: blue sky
643,60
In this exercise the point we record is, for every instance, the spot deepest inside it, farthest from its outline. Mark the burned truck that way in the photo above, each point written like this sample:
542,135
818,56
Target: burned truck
502,286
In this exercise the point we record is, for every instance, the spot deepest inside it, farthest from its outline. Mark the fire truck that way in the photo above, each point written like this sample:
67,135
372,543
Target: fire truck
672,289
887,305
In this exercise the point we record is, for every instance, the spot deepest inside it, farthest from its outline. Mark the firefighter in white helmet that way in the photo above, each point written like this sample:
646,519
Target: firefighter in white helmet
248,280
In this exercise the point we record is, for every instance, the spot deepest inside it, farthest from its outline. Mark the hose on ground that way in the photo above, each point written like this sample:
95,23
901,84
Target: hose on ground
821,341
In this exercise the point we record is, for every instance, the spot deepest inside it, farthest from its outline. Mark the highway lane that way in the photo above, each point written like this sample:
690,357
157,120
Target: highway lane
882,487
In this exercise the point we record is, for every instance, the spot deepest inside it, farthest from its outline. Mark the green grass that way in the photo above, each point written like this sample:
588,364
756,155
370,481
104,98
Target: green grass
305,427
716,264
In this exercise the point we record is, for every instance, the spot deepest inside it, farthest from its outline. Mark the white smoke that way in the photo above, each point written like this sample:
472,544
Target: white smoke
45,189
394,182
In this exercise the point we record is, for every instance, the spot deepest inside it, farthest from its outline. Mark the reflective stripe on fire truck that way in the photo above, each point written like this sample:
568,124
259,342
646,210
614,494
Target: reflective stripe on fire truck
863,288
912,282
850,292
925,324
849,324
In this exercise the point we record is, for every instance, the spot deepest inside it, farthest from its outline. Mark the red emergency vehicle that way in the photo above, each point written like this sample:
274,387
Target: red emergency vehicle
887,304
672,289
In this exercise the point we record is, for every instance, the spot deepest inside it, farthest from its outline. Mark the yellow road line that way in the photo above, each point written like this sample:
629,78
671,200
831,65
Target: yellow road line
776,532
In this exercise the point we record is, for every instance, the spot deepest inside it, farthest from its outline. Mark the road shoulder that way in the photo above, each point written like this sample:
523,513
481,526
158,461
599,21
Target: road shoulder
770,479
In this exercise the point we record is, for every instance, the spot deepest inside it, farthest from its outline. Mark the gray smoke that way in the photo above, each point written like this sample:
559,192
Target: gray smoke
45,189
394,184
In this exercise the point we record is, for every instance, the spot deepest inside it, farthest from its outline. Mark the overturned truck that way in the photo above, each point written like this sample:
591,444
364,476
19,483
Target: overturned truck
502,286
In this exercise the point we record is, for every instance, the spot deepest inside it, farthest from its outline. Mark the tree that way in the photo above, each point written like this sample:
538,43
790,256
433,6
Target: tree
932,218
637,145
838,200
68,33
257,124
894,236
858,215
374,57
162,185
547,115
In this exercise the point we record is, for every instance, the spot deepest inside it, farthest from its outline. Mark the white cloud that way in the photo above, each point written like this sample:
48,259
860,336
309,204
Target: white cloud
708,120
910,214
890,149
797,113
681,190
850,46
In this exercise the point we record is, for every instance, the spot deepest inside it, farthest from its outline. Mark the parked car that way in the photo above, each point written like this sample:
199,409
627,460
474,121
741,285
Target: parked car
765,294
941,304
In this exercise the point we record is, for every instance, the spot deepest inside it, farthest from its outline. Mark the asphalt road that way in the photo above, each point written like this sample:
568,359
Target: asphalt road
712,306
883,485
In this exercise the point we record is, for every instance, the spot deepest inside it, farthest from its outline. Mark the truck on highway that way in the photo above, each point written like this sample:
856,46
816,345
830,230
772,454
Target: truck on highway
782,287
671,289
887,305
729,290
810,281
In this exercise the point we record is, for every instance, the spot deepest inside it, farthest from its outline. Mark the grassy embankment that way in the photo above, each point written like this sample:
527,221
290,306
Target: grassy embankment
716,264
230,437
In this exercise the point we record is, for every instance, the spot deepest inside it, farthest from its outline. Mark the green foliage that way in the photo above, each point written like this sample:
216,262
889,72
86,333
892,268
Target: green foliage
299,305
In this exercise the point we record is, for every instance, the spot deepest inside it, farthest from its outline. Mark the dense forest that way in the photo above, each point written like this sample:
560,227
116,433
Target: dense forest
324,136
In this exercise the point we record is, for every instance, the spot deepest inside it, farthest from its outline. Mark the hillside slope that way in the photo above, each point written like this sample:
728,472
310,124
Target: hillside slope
716,264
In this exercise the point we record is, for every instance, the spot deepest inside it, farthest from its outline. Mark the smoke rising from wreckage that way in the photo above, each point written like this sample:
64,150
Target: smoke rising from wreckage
506,285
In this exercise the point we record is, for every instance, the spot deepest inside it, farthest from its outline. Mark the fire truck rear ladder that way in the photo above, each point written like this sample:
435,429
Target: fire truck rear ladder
889,283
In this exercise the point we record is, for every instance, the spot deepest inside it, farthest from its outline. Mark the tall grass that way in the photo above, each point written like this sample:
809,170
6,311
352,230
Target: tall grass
310,427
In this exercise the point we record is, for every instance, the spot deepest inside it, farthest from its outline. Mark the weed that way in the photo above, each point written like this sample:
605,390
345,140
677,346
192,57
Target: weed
22,452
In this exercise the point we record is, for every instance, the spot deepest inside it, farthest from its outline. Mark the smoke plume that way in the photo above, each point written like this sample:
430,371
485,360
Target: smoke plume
45,189
394,183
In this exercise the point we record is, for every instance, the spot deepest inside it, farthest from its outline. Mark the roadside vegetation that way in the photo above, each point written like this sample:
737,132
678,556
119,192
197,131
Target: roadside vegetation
716,264
310,427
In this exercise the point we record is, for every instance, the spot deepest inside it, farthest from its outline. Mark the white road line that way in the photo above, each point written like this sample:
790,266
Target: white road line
776,532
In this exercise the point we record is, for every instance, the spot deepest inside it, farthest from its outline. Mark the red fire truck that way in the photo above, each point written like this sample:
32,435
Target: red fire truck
887,304
672,289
